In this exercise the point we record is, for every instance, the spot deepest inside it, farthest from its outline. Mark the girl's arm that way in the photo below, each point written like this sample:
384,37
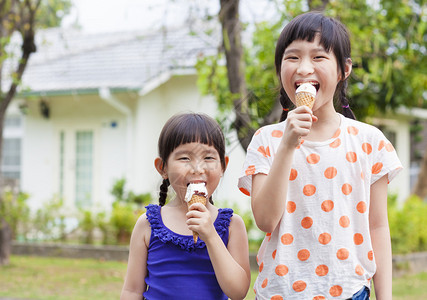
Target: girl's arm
134,284
269,191
380,236
231,263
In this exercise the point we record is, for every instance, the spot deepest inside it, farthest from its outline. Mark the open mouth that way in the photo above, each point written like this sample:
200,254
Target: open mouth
313,83
196,182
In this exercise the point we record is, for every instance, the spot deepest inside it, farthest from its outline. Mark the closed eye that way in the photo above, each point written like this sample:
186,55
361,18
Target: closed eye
290,58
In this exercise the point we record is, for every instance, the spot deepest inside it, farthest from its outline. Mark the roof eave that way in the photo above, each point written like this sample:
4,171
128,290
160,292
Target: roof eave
147,87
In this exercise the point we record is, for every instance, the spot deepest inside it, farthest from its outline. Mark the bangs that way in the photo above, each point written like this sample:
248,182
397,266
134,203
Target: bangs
308,29
193,130
305,27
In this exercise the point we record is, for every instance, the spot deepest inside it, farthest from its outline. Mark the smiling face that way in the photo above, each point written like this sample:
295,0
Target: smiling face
305,61
193,163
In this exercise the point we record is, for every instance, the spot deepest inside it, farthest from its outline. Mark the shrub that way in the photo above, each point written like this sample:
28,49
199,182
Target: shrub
121,195
15,211
407,230
48,223
127,208
123,219
87,225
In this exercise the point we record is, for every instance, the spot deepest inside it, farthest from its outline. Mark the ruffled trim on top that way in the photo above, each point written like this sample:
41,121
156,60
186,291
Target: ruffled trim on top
185,242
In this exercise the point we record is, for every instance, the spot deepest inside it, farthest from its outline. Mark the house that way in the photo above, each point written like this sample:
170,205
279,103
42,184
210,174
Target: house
91,108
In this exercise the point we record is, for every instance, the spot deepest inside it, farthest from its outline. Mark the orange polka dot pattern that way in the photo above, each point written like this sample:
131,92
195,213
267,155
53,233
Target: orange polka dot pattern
324,229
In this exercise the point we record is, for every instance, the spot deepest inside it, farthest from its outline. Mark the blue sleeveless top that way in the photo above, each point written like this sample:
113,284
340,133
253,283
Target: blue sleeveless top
177,268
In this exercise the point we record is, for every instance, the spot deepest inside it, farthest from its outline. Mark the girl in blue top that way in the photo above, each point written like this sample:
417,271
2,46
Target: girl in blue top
164,262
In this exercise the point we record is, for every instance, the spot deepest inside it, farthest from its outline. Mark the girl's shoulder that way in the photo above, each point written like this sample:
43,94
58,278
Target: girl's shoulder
359,128
142,229
271,128
237,221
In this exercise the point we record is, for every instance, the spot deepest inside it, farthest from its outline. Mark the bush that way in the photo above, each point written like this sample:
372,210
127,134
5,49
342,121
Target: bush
48,222
407,229
123,219
87,225
121,195
15,211
127,208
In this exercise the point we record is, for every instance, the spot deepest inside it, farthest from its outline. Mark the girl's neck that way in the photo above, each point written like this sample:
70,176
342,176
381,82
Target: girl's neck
178,203
325,127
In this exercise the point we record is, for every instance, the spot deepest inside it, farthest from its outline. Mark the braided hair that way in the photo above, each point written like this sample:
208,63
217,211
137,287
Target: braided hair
163,194
333,36
188,128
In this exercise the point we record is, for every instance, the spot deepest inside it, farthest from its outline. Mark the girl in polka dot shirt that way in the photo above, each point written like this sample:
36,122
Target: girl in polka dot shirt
318,179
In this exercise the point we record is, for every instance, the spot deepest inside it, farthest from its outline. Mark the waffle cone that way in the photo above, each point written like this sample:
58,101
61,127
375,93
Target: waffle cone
303,98
196,199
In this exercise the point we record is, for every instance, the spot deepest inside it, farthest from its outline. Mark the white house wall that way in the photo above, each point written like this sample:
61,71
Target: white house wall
37,165
40,161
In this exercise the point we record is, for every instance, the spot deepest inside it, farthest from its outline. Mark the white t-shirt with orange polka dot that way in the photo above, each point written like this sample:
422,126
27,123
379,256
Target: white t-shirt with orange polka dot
322,247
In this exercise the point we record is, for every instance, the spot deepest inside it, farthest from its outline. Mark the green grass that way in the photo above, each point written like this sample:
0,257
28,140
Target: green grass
61,279
65,279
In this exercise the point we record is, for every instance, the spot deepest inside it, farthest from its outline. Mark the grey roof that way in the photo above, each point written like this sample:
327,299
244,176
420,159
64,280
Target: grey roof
70,60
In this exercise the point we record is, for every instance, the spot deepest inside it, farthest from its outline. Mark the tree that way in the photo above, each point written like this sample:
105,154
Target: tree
23,17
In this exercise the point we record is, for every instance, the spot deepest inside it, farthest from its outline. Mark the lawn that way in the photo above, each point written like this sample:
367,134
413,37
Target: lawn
61,279
65,279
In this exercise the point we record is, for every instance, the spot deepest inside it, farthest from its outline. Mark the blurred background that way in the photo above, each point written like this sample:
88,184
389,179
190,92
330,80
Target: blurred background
86,87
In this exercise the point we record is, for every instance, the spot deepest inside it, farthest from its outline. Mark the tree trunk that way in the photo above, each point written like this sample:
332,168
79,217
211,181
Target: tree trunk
420,188
28,47
5,242
231,29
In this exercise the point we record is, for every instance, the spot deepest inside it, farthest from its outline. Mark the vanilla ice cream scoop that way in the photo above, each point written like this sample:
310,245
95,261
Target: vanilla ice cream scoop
305,95
196,188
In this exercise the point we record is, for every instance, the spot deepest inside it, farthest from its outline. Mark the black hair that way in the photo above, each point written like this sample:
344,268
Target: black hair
333,36
188,128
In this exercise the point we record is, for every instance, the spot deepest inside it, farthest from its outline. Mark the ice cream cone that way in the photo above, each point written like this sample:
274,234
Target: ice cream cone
196,199
305,95
304,98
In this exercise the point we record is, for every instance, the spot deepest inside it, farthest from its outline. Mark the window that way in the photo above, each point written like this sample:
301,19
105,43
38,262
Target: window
12,122
84,169
11,158
11,155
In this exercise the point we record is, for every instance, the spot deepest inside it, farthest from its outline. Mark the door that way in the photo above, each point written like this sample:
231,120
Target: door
76,166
